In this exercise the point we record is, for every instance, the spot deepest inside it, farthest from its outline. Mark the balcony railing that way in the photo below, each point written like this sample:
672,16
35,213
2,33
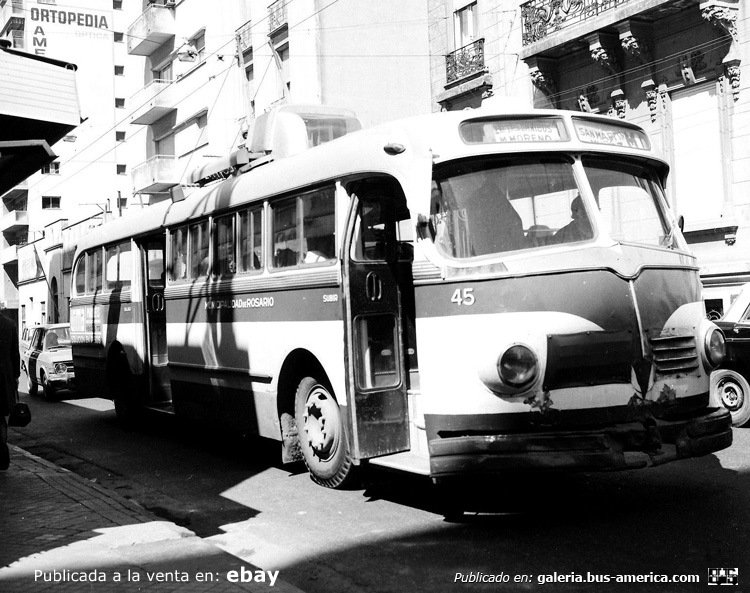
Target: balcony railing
465,61
277,16
15,220
540,18
151,30
156,175
153,102
244,36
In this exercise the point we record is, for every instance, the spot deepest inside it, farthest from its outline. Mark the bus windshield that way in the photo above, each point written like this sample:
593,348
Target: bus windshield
482,207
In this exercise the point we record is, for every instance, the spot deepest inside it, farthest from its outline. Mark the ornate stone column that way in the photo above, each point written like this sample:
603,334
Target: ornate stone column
723,14
542,72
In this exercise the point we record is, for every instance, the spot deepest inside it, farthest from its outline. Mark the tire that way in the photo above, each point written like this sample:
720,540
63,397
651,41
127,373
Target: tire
731,390
31,385
322,436
48,389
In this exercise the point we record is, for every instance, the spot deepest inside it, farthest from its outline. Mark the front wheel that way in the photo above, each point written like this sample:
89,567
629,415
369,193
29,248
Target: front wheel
732,391
322,437
50,392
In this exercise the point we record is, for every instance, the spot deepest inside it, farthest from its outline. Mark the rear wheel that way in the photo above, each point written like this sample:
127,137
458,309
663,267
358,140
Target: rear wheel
31,385
732,391
50,392
322,437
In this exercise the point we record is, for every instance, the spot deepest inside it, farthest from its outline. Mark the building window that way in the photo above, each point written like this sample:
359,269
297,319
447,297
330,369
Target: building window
465,25
120,103
52,168
119,70
119,37
119,136
122,169
117,4
122,203
697,169
164,73
50,202
18,41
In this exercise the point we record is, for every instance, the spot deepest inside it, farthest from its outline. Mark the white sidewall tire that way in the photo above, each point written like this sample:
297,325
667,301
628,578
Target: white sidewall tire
729,389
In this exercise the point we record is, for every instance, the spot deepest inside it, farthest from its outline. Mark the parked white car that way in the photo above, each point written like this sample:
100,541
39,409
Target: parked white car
47,359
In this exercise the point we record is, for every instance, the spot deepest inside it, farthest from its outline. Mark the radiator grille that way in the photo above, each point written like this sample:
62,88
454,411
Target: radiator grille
674,354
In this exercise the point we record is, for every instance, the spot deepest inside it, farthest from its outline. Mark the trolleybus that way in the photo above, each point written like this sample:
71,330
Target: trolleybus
462,292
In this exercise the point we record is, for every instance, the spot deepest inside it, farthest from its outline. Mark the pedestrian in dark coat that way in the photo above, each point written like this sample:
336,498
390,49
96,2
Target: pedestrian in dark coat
10,369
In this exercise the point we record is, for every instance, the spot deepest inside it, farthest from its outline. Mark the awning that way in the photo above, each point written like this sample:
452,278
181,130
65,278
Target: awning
21,158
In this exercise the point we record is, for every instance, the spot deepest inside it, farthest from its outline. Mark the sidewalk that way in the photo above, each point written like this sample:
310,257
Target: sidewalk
60,532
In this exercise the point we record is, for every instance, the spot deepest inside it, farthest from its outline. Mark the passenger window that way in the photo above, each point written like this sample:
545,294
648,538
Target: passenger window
251,250
225,256
178,269
286,249
304,229
118,266
94,271
80,275
370,235
199,249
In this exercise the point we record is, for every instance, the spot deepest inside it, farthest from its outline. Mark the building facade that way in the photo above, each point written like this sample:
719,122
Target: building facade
676,67
88,179
169,86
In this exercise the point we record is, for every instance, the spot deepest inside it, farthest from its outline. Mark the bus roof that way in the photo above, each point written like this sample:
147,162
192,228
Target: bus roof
425,139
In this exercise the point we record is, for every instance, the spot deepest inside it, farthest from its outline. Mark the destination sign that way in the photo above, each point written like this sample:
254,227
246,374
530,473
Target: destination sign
506,131
596,132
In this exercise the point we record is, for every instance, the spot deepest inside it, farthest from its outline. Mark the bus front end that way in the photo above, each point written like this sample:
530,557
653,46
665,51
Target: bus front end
559,315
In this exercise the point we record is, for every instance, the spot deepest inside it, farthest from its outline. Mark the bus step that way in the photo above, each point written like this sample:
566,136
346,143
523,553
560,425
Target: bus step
407,461
161,407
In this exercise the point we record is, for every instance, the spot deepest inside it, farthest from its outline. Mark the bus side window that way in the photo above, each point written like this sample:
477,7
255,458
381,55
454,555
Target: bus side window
250,240
285,240
178,241
225,258
370,238
118,266
198,235
80,275
94,271
318,226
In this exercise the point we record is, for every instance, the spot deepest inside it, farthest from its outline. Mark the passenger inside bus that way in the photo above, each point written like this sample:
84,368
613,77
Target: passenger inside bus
577,229
496,224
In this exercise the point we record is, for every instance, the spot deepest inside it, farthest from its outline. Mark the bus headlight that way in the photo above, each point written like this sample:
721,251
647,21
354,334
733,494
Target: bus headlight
715,347
517,366
60,368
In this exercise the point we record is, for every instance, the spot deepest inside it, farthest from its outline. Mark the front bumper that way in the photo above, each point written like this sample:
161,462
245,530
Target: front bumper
63,380
627,445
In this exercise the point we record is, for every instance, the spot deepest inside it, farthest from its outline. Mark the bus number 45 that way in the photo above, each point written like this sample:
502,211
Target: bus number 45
463,296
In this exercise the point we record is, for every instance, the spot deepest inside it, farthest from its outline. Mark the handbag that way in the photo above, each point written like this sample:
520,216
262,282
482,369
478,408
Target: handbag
20,415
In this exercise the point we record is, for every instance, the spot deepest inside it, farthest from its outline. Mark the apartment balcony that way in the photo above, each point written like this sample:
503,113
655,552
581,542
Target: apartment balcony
157,175
153,102
465,61
16,220
244,37
277,17
9,255
18,191
151,30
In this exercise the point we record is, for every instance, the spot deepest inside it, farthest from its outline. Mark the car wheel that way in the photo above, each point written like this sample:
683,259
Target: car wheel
322,436
49,390
731,390
31,385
